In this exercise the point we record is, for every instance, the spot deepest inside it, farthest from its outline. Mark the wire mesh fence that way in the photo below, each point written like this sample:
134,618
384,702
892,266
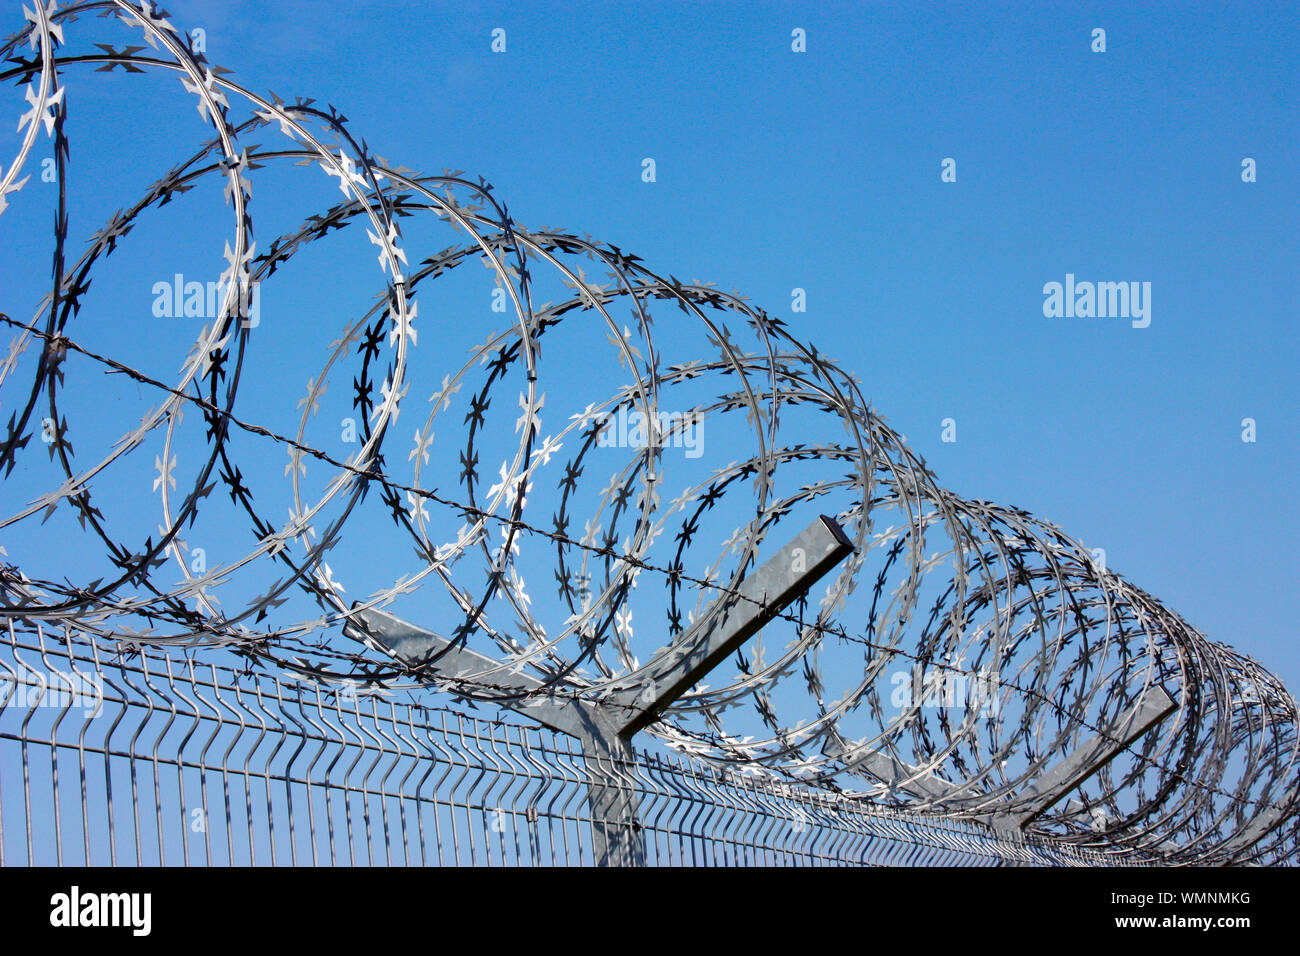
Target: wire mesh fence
156,758
1067,656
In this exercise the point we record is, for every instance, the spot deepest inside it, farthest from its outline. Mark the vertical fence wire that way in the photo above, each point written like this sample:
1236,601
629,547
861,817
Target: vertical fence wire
223,766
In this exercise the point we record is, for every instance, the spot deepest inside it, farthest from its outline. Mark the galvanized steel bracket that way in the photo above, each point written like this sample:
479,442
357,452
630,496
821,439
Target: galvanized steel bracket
605,728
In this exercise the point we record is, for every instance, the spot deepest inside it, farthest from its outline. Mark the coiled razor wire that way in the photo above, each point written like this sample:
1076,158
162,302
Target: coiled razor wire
970,643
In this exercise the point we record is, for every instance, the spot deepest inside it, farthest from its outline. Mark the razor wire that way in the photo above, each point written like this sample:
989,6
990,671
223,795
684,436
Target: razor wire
1029,644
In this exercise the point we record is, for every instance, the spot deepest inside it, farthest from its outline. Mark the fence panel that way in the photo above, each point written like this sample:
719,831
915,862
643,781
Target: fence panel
165,758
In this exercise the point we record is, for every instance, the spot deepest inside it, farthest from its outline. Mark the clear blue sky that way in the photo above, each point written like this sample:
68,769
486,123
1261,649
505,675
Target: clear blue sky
821,170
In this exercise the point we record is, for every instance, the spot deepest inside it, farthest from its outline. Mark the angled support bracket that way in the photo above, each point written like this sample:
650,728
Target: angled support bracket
1086,760
612,804
605,728
1044,793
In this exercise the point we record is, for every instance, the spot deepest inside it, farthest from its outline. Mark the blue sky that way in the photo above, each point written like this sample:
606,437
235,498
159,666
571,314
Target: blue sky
821,171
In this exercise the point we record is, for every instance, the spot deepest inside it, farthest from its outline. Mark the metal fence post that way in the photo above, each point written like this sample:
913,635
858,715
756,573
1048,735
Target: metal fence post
606,728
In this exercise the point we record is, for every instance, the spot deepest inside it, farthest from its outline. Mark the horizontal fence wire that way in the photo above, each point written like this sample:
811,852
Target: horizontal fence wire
308,775
162,758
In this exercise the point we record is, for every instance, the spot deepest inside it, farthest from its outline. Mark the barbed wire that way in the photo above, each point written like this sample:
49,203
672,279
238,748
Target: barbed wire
1030,643
472,689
